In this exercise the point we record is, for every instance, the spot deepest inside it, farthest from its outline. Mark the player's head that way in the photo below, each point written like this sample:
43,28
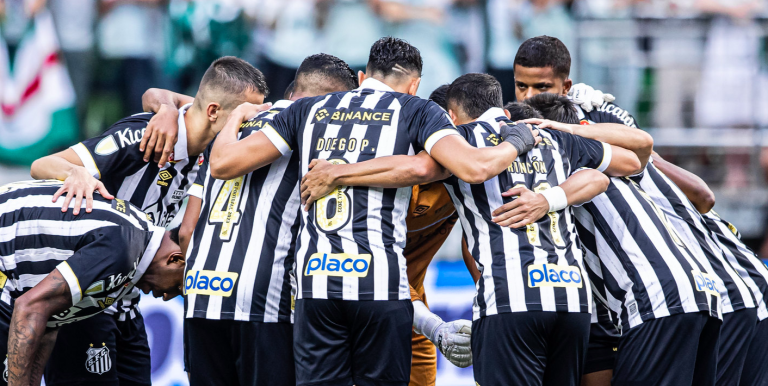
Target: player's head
395,63
470,95
321,74
227,83
289,90
517,111
164,276
554,107
542,64
438,96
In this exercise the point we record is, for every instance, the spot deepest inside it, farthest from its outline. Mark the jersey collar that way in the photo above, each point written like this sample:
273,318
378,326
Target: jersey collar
374,84
490,116
180,149
282,103
149,253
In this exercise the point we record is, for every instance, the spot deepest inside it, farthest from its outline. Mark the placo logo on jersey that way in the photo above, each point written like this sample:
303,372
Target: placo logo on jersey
338,264
213,283
3,280
106,146
705,283
98,361
553,275
354,115
128,137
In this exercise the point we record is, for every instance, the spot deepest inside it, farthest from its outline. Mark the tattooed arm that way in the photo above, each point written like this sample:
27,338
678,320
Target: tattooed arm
29,342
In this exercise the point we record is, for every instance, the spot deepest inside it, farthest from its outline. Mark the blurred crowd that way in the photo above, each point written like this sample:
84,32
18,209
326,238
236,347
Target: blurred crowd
116,49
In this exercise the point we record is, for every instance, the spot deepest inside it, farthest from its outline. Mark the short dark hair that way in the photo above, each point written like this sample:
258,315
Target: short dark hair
519,111
545,51
321,74
174,235
289,90
554,107
388,53
438,96
475,94
233,76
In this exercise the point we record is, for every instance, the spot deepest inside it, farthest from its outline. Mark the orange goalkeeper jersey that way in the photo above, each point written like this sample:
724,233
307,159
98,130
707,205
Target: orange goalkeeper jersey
431,217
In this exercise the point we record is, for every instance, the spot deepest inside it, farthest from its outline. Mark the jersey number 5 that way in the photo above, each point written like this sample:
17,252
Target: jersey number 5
225,208
333,210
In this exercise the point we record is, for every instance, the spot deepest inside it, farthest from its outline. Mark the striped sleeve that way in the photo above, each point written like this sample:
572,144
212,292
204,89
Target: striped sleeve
433,124
282,131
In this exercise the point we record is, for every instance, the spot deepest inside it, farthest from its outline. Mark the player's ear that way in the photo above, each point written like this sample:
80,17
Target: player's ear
414,87
567,85
506,112
453,116
176,259
361,77
212,111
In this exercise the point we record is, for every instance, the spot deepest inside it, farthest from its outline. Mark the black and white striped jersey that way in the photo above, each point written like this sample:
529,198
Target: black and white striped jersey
114,158
246,233
689,225
607,113
351,243
539,267
644,266
101,254
751,269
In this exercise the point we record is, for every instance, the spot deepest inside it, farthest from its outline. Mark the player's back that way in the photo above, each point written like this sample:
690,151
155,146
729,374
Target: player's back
246,232
352,240
517,263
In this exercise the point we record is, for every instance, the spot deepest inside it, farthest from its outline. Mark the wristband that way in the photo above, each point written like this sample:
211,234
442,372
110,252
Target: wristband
556,198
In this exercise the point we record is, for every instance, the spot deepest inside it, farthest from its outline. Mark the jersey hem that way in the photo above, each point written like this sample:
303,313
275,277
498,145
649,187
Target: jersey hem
230,316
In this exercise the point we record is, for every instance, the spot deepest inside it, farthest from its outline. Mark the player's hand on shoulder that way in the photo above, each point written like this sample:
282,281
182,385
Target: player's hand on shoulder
554,125
80,184
522,136
161,135
587,97
247,110
317,183
525,209
454,340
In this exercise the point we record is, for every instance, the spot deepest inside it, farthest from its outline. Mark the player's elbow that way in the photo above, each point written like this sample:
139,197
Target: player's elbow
476,175
425,170
602,183
37,169
704,200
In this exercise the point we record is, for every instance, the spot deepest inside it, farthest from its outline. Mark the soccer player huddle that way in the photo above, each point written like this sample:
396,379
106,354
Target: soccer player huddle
310,225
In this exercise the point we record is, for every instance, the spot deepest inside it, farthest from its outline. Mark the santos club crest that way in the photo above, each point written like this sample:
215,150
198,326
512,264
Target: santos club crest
98,361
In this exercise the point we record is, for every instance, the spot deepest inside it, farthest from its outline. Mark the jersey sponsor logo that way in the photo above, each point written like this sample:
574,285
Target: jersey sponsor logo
420,210
177,195
98,361
163,177
119,205
253,123
618,112
106,146
128,137
3,280
354,115
338,264
95,288
705,283
107,302
553,275
213,283
492,139
118,280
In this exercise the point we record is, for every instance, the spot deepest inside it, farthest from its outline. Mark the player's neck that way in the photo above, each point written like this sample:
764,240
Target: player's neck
199,132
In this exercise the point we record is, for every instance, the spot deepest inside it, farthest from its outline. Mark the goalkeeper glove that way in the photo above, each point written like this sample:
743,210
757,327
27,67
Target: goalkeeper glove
587,97
452,338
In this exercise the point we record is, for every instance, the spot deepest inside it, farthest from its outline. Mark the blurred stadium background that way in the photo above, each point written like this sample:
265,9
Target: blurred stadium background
693,72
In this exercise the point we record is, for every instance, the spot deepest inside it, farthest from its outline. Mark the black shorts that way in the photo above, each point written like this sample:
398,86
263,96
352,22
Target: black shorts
755,371
229,352
101,350
734,344
603,344
680,349
340,342
530,348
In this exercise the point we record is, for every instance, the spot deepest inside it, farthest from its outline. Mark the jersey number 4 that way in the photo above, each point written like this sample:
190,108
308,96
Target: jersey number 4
225,208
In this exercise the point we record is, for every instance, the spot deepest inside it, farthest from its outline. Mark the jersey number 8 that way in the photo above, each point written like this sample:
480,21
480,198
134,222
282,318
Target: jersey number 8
332,211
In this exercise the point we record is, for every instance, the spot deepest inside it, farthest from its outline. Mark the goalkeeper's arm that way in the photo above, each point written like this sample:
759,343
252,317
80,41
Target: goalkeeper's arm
452,338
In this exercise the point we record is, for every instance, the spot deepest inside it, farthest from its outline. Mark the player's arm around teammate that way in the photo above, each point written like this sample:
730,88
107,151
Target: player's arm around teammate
692,185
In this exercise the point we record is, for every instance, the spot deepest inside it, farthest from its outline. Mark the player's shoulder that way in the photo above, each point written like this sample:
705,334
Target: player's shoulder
257,123
610,112
124,133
